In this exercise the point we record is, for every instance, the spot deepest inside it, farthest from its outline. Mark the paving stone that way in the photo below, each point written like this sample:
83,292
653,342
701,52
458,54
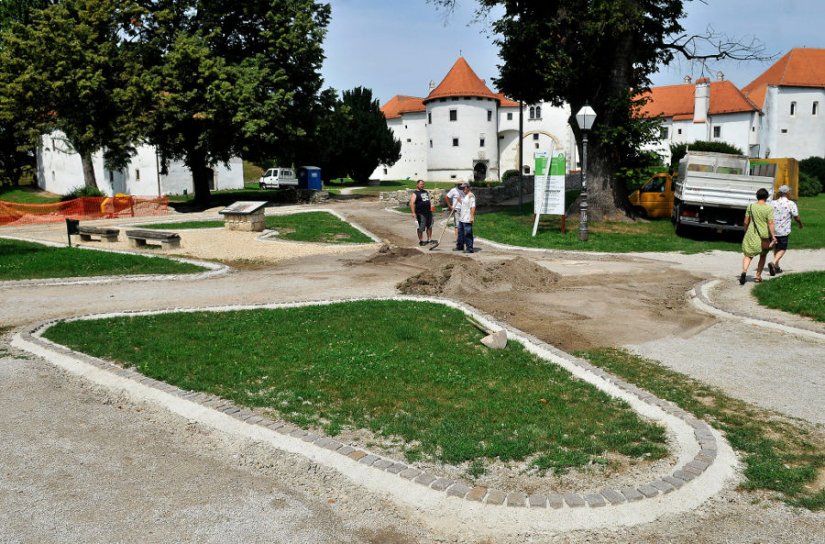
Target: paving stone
382,464
310,437
425,479
357,455
477,493
537,501
675,482
699,465
410,473
458,490
496,497
255,420
692,470
648,490
516,499
441,484
275,425
369,459
555,501
595,501
573,500
346,450
230,410
631,494
396,468
613,496
286,429
333,445
663,486
298,433
322,442
682,475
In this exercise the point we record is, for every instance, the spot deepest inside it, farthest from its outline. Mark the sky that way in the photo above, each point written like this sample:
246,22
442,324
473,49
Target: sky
399,46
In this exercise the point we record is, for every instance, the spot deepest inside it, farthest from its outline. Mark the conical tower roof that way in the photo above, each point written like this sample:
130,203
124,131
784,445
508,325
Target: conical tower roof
461,81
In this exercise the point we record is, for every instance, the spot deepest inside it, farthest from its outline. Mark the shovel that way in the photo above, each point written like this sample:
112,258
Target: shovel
446,223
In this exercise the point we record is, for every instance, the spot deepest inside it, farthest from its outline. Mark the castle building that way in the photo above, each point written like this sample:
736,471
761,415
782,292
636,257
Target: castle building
464,131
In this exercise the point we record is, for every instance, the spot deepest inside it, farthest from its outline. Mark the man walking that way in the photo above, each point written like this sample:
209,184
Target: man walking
453,200
422,212
783,210
465,225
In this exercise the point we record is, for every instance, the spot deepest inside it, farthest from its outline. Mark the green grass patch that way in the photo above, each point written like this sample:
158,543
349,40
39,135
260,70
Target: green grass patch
27,195
780,455
316,227
27,260
812,212
401,184
802,294
413,372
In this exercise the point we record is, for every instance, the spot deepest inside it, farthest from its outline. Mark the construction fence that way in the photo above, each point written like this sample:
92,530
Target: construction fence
84,208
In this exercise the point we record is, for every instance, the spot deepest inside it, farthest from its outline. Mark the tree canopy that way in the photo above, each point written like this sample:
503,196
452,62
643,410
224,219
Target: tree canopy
601,53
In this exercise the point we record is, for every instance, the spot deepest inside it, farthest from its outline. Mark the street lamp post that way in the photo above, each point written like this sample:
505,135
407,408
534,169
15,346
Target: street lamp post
584,118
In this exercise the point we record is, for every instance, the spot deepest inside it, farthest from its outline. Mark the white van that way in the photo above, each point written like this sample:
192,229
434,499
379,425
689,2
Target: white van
278,177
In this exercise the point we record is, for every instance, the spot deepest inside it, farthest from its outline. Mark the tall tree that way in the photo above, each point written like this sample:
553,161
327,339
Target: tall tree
65,70
601,53
238,78
354,138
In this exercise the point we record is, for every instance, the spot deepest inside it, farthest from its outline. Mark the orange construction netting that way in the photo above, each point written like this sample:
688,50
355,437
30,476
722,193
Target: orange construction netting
87,207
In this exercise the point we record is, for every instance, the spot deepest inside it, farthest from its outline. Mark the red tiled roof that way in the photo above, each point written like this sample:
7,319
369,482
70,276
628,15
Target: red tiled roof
800,67
506,102
678,101
461,81
399,104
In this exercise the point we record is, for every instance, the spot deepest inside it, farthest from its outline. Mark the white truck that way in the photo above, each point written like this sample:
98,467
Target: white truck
713,190
275,178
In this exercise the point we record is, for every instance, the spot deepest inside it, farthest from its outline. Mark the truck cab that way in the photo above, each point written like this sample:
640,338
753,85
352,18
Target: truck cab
275,178
654,198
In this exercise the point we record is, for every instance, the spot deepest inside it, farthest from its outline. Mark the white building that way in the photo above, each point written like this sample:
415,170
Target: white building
779,114
59,171
462,130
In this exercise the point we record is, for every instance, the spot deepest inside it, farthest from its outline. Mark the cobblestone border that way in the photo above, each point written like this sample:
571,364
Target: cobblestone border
691,467
213,269
700,299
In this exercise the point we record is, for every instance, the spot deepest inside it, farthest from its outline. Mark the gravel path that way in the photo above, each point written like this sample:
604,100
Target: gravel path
83,464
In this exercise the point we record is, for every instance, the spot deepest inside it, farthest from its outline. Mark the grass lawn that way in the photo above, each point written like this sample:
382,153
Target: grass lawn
304,227
511,227
802,294
779,455
27,195
400,184
26,260
428,384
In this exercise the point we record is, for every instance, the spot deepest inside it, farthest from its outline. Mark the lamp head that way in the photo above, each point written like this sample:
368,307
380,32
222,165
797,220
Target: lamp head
585,117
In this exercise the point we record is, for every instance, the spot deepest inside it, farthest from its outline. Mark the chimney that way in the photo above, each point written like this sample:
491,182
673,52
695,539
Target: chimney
720,76
432,85
701,100
688,79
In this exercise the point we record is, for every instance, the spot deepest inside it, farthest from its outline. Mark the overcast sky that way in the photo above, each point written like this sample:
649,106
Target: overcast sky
399,46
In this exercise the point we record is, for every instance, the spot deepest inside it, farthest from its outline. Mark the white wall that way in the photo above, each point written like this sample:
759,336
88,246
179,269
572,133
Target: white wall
413,161
59,169
801,135
446,161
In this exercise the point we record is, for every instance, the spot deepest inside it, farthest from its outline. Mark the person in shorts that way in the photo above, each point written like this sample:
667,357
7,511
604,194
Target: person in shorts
422,212
465,225
453,200
784,210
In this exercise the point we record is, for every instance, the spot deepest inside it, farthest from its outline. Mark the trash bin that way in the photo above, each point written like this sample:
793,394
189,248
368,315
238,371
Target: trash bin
309,177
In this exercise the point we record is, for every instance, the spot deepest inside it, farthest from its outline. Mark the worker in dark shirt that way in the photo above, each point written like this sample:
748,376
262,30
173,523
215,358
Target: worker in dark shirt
422,212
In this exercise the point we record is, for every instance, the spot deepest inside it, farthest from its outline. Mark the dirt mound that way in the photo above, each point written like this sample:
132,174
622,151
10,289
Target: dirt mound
470,276
389,253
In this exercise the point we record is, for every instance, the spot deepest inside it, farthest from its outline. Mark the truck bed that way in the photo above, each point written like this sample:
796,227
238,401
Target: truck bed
726,191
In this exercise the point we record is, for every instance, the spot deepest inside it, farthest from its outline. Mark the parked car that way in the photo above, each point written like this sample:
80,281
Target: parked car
275,178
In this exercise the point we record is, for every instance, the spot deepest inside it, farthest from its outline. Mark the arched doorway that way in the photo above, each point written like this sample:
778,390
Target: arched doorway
480,171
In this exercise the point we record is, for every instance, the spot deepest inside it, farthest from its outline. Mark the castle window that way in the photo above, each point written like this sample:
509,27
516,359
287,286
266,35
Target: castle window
490,115
535,136
538,112
455,142
793,109
537,145
385,171
678,131
409,140
526,169
430,118
815,108
663,133
137,174
510,116
532,112
481,142
453,115
431,144
717,132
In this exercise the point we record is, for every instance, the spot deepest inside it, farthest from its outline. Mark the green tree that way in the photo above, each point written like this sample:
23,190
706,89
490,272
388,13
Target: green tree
354,138
677,151
601,53
66,70
239,78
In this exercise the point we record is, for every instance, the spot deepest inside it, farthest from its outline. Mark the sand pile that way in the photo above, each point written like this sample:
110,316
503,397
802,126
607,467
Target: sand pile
469,276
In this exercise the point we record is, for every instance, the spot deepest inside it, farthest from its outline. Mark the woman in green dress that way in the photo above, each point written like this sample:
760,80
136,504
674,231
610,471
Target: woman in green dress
758,225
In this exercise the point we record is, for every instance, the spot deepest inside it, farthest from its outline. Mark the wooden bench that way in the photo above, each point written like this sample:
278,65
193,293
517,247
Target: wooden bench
167,240
107,234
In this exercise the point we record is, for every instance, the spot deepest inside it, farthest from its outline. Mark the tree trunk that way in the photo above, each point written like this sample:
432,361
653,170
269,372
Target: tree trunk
201,176
88,170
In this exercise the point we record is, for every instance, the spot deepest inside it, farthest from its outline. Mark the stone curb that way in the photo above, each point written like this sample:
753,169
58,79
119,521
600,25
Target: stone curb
700,299
677,480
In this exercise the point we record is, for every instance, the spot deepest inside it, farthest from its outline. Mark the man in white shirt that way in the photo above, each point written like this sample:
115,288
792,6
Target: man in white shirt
784,210
465,225
453,200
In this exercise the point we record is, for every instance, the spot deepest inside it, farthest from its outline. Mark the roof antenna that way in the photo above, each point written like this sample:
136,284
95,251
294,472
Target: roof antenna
459,52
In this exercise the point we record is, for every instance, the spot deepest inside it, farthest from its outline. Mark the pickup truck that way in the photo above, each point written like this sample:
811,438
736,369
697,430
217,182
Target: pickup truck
713,190
655,197
275,178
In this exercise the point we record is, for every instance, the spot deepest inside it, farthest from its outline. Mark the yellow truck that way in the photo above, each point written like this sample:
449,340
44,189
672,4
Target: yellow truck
713,208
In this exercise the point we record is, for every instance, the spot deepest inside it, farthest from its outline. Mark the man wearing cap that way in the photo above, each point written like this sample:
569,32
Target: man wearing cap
465,225
783,210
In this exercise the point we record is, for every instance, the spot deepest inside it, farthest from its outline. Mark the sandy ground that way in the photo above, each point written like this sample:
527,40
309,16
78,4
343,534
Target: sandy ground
206,487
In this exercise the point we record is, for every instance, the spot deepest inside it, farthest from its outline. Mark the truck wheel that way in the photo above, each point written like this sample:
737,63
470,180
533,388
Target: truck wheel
640,212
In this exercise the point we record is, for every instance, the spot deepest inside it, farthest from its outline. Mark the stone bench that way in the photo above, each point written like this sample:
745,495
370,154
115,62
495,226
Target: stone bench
107,234
139,238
